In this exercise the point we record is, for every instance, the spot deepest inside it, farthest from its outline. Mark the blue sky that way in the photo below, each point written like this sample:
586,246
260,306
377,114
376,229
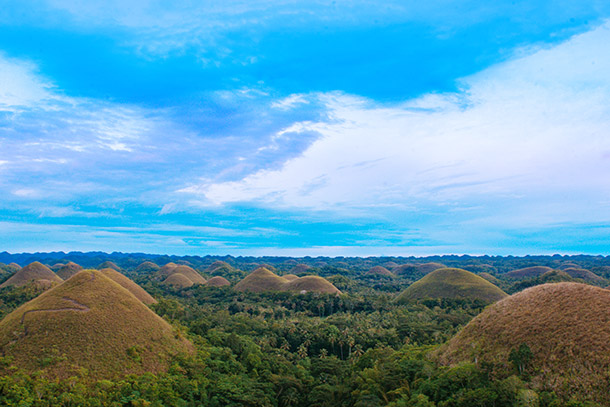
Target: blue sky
305,128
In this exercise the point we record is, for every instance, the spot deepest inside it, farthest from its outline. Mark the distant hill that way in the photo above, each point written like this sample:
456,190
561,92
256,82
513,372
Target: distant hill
310,284
129,285
490,278
89,322
166,270
218,265
564,326
416,271
68,270
379,271
108,265
263,279
147,267
586,275
528,272
452,283
178,280
299,268
289,277
190,273
217,281
31,273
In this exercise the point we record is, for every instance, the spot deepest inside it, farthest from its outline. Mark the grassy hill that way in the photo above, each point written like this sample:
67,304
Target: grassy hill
489,278
166,270
129,285
260,280
190,273
379,271
585,275
566,326
310,284
178,280
289,277
88,322
452,283
413,271
68,270
217,281
299,268
108,265
527,272
147,267
217,266
31,273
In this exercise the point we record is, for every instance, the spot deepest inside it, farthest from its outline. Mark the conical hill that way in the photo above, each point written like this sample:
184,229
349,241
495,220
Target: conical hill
565,326
177,280
528,272
31,273
89,322
311,284
452,283
68,270
147,267
129,285
190,273
217,281
166,270
261,279
109,265
379,271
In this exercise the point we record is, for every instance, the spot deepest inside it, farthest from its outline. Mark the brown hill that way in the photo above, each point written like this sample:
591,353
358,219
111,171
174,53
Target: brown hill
108,265
528,272
452,283
584,274
217,265
379,271
299,268
68,270
217,281
30,273
307,284
166,270
490,278
416,270
89,322
129,285
190,273
178,280
565,325
289,277
56,267
260,280
147,267
14,266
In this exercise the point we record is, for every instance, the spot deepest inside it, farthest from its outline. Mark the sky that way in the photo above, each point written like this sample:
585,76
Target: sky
305,128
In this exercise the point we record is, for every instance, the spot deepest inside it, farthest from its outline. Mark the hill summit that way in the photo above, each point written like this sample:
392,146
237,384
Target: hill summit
263,279
565,327
89,322
33,272
452,283
68,270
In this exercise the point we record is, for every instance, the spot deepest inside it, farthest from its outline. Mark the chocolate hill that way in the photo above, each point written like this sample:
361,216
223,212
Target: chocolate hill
217,281
452,283
566,326
33,272
263,279
129,285
89,322
68,270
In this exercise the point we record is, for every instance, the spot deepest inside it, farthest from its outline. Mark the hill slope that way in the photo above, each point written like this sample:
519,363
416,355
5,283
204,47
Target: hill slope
261,279
88,322
310,284
565,325
452,283
129,285
528,272
68,270
31,273
178,280
217,281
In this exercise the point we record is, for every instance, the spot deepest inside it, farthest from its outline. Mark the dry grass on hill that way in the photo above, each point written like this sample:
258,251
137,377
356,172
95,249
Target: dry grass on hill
380,271
586,275
260,280
132,287
567,328
31,273
289,277
165,271
108,265
452,283
218,281
68,270
147,267
314,284
219,264
190,273
89,322
178,280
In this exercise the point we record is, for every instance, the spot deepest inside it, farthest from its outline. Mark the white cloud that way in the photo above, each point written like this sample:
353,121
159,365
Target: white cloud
533,128
20,85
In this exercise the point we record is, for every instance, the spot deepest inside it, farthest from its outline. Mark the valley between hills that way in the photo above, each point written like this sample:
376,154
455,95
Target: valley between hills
96,329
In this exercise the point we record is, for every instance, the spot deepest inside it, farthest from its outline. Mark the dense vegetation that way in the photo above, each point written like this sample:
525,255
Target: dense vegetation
359,348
